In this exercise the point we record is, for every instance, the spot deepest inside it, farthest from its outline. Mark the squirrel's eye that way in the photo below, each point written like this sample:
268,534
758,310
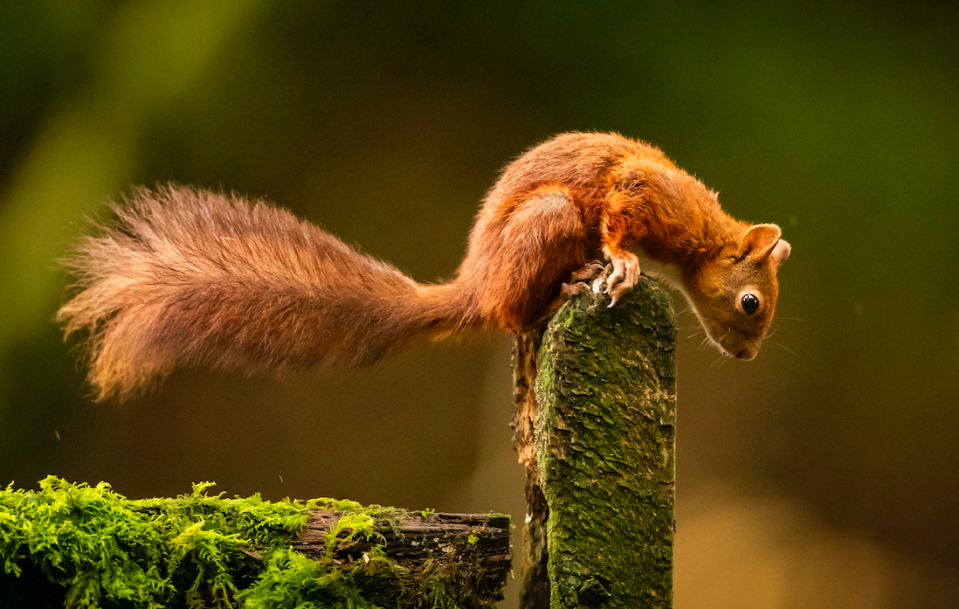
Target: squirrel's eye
750,303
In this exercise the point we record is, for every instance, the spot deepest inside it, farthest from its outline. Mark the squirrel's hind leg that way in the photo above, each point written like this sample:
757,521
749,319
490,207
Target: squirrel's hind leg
580,280
543,246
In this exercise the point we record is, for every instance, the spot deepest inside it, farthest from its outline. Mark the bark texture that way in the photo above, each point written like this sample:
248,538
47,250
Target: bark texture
470,552
604,449
535,588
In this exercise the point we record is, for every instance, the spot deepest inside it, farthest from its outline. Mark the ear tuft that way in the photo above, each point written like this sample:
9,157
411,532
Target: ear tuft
760,239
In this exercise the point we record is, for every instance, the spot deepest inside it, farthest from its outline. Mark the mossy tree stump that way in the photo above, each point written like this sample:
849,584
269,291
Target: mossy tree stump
597,436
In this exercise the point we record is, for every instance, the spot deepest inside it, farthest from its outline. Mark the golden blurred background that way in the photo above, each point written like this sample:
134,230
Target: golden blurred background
823,474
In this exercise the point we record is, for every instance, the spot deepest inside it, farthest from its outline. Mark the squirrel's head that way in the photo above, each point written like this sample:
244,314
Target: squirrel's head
734,293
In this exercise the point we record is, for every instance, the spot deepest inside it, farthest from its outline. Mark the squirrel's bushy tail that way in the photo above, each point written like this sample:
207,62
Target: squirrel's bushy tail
190,277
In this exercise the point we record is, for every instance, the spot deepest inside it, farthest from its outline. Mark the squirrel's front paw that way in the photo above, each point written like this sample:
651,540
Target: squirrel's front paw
624,276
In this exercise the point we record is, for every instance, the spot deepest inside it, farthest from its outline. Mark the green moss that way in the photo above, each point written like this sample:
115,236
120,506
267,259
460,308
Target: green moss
604,443
194,551
293,581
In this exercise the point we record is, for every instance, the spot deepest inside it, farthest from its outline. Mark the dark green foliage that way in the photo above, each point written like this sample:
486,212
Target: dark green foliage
194,551
604,441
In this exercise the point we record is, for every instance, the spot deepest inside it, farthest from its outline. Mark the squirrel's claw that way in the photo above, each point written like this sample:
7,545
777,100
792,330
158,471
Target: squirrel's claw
624,276
581,278
590,270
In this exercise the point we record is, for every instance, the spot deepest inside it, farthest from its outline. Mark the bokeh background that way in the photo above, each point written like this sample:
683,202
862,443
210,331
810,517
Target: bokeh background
823,474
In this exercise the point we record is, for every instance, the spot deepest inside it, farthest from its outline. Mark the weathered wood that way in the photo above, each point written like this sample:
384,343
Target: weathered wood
534,593
471,550
603,440
525,349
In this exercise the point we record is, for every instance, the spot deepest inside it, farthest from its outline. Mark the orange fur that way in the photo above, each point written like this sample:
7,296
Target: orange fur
192,277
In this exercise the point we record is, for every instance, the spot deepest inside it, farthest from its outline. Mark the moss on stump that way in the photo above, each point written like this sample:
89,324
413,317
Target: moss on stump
604,442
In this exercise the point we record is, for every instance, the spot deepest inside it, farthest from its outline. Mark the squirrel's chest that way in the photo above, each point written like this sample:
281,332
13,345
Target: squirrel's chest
670,274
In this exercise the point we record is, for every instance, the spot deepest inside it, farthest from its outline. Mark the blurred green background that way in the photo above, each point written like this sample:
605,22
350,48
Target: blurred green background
823,474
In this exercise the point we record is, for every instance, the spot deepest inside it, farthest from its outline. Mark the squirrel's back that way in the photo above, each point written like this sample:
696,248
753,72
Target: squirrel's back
577,160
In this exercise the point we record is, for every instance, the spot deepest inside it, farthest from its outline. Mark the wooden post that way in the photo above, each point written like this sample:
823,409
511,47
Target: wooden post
602,438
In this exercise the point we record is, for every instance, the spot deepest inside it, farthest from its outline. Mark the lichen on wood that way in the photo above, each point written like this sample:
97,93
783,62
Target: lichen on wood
604,443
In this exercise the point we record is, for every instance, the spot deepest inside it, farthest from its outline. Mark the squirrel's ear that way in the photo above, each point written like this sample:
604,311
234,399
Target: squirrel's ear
761,239
780,251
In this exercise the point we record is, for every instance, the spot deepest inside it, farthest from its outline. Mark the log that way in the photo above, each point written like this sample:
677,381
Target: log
72,545
471,551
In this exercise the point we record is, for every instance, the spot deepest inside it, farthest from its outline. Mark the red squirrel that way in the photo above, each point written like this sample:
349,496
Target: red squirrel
189,277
